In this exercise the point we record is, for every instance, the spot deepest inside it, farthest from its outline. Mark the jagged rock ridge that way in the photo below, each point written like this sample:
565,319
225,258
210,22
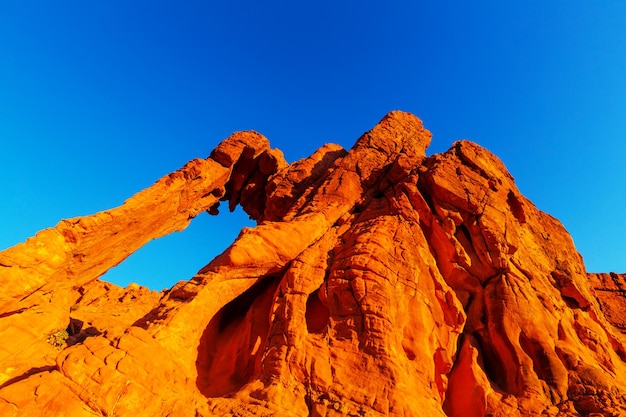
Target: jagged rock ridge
378,281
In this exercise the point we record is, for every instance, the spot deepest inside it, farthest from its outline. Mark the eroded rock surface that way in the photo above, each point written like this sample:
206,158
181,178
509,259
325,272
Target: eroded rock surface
378,281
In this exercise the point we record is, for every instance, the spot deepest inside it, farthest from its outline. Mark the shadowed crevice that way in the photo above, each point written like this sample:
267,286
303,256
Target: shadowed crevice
30,372
317,314
234,338
240,306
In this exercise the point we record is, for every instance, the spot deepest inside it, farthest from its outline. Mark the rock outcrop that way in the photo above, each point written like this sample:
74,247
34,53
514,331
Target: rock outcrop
378,281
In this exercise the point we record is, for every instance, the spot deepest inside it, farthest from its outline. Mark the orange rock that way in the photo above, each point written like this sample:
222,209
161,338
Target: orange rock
610,290
378,281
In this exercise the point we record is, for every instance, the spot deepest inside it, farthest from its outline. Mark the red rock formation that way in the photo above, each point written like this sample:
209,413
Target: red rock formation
610,291
378,281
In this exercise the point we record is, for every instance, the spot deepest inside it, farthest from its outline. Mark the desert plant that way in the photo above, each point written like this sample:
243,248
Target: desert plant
58,339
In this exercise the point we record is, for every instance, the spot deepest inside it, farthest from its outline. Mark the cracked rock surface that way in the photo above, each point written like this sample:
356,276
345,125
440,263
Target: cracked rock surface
378,281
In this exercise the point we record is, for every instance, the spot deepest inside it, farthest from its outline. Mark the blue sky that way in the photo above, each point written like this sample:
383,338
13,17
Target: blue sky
100,99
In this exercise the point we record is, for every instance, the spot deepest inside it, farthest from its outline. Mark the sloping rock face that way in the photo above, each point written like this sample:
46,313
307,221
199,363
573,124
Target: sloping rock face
378,281
610,290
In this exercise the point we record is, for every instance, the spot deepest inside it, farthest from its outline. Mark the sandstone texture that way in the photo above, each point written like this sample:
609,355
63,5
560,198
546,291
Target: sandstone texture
378,282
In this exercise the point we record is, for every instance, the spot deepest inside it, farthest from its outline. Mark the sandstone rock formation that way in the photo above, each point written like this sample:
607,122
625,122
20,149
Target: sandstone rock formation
378,281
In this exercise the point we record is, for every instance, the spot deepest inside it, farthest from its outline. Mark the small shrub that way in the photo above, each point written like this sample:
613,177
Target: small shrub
58,339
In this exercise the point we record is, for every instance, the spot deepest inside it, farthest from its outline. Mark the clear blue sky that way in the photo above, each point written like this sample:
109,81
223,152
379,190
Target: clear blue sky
98,99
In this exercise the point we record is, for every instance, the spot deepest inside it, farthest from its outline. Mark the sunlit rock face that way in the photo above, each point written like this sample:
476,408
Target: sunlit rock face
378,281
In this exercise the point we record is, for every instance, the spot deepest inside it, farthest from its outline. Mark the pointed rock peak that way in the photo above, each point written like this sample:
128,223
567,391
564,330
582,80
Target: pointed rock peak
397,132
